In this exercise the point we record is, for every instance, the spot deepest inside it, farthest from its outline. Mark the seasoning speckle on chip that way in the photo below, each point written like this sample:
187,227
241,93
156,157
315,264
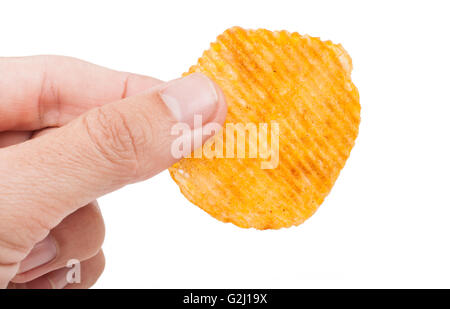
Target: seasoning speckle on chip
298,86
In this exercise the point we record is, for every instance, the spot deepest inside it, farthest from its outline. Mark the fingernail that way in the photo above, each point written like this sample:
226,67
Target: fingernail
42,253
54,280
41,283
192,95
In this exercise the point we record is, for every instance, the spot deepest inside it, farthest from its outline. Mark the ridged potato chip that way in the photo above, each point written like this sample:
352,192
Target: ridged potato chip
297,84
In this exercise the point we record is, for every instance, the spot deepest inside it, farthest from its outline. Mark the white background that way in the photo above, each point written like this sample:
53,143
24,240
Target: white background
386,222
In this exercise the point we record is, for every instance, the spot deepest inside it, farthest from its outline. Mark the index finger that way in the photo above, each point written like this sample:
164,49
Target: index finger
48,91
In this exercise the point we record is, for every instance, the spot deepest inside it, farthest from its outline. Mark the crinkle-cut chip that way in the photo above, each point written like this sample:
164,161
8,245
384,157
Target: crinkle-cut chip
304,85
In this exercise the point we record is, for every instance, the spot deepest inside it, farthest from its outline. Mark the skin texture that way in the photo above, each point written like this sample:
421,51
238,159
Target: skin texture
70,132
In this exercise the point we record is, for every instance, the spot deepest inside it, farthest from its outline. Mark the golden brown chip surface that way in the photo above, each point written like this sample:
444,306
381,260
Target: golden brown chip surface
301,83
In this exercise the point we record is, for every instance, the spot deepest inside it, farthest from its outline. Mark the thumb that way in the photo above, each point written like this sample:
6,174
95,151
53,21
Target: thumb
119,143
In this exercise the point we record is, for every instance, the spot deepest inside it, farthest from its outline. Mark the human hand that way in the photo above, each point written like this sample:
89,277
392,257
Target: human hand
71,132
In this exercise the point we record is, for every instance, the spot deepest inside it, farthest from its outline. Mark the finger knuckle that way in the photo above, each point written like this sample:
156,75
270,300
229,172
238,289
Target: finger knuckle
96,230
116,138
101,263
99,266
